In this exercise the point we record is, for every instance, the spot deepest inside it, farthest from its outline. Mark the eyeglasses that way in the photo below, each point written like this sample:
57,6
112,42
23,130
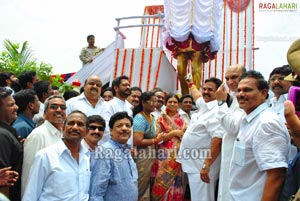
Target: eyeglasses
100,128
56,106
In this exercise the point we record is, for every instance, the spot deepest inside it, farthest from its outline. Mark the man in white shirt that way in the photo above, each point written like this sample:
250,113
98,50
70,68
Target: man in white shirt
260,152
229,116
121,90
46,134
201,143
62,171
160,105
90,101
280,88
185,110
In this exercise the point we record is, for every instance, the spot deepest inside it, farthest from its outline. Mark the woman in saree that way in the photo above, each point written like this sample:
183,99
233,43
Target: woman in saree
144,138
168,180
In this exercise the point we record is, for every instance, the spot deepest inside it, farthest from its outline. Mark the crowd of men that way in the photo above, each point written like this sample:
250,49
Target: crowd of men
52,148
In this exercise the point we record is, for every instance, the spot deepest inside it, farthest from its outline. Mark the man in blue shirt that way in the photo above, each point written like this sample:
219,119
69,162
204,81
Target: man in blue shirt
114,173
29,105
62,171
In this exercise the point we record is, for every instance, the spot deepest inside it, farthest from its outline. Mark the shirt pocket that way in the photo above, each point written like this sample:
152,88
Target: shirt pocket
63,182
239,151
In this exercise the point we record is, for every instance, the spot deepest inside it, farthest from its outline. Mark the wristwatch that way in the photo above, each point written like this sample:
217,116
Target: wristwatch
221,102
205,166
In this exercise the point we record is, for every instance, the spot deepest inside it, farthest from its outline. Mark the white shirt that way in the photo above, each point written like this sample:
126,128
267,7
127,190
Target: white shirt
186,117
156,113
56,175
262,144
277,106
40,137
113,106
196,140
81,103
86,145
38,118
230,119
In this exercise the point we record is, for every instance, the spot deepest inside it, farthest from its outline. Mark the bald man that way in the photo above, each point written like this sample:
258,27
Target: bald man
229,118
90,101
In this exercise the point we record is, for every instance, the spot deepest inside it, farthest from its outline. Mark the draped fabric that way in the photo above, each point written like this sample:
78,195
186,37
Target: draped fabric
168,174
199,18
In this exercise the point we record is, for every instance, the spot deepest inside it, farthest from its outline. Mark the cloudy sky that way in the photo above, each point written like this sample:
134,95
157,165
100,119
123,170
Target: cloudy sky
57,29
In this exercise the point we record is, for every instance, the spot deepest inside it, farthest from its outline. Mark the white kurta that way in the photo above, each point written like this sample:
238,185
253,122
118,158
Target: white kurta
262,144
230,119
195,147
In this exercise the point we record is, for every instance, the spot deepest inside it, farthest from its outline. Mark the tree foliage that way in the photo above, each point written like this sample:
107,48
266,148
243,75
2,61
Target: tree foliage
17,58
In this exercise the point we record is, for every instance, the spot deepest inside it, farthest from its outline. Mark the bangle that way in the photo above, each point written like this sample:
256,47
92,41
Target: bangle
190,85
156,141
153,141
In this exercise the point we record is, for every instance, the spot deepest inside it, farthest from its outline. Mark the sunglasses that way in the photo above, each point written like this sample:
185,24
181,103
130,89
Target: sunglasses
56,106
100,128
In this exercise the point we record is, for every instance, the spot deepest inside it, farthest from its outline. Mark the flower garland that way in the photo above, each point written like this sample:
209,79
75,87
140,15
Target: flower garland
216,61
253,37
223,45
245,39
124,61
149,69
131,64
152,36
117,62
142,67
238,32
147,33
158,68
230,49
158,34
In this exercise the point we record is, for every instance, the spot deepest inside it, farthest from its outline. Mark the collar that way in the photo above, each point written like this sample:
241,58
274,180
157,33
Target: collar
52,129
119,145
83,97
118,100
62,147
27,119
182,112
86,145
211,104
256,112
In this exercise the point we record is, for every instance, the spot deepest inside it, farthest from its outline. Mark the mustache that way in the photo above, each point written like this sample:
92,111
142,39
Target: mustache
58,113
242,98
207,95
75,131
96,134
277,85
125,132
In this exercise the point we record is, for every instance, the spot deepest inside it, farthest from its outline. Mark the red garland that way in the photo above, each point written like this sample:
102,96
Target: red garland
124,61
117,62
142,67
149,69
131,64
158,68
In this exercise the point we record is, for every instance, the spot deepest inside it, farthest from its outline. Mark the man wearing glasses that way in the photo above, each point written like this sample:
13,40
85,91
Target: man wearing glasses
95,132
49,133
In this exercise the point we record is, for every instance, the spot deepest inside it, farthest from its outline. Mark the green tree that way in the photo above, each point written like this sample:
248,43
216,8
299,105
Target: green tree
16,59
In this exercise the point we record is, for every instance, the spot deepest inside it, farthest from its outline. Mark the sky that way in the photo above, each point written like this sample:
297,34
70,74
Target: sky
56,29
